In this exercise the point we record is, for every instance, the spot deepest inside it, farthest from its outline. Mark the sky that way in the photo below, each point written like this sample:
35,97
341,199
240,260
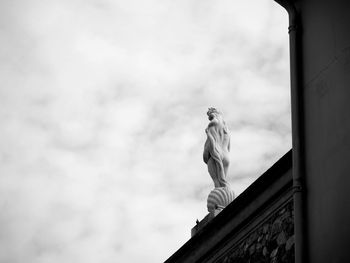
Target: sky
102,116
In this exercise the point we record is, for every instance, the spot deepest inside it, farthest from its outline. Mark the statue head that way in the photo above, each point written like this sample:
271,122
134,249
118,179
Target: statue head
214,114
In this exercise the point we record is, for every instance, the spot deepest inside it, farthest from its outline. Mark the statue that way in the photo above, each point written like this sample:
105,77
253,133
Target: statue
216,156
217,147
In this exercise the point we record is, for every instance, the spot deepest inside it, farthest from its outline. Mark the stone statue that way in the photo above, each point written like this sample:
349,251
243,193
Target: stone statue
216,156
217,147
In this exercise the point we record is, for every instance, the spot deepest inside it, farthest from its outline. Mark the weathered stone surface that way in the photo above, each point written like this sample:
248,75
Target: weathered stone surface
273,241
258,247
266,228
290,243
274,253
265,251
252,249
281,238
277,226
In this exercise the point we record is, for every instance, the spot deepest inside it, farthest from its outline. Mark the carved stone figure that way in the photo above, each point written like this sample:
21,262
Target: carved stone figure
216,156
217,147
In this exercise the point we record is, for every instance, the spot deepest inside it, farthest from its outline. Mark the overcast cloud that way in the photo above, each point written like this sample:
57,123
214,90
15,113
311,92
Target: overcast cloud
102,118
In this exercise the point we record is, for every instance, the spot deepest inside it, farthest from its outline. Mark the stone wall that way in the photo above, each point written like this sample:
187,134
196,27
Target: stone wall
270,242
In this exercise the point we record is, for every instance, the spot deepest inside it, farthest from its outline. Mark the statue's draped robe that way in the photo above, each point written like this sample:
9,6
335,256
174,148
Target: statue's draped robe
215,142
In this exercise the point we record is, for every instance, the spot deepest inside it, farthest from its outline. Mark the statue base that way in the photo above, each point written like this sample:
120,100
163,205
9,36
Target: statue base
219,198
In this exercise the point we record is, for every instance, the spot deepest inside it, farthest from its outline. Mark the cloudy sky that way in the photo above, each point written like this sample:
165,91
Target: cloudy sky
102,116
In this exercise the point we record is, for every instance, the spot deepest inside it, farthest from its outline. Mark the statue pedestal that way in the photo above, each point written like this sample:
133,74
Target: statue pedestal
219,198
